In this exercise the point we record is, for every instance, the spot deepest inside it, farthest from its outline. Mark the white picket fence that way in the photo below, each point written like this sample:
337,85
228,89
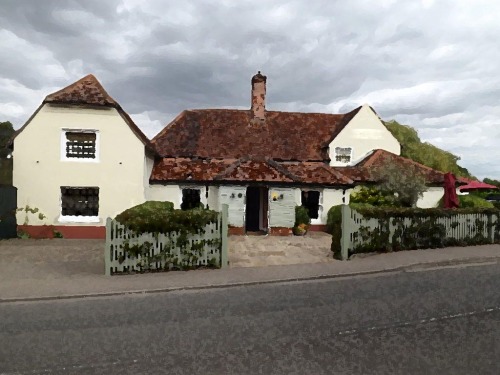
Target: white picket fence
458,227
163,250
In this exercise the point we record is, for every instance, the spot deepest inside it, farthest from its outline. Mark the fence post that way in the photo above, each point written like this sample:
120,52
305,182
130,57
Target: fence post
491,230
224,261
345,237
107,245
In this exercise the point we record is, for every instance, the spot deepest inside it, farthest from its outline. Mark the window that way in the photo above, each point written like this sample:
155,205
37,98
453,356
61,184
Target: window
80,201
311,201
190,199
80,145
343,154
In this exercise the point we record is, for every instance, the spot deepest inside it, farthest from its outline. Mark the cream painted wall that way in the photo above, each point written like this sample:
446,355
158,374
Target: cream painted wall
431,197
170,193
213,198
364,133
39,170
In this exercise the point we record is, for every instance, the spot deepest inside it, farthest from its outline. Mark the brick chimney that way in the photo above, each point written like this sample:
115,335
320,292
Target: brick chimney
259,97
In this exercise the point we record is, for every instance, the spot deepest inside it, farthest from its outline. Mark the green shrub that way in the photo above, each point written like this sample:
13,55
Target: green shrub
301,216
160,217
372,196
334,227
470,201
474,201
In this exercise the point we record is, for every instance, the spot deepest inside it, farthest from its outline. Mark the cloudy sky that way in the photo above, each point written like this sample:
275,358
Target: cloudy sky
433,65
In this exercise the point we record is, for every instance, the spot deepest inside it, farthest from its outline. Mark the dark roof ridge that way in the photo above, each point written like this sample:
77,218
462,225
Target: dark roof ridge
107,99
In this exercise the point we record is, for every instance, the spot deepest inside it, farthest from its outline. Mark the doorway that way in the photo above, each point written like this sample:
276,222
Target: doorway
256,209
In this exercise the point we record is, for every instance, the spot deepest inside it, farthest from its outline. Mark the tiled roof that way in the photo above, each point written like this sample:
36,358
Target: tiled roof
87,90
246,170
363,171
226,133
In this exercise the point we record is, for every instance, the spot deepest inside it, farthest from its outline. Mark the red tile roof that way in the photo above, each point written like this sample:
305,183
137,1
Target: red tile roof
89,91
246,170
226,133
363,171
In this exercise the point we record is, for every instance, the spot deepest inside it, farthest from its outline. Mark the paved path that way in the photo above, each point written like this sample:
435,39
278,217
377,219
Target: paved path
33,269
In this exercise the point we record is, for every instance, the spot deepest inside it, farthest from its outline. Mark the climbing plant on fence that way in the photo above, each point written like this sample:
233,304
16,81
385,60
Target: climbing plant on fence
372,229
155,237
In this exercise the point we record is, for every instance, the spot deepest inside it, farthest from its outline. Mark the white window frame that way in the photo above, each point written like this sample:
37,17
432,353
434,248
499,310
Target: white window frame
74,218
80,160
335,155
319,220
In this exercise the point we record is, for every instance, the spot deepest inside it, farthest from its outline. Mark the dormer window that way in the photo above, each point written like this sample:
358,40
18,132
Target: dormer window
343,154
80,145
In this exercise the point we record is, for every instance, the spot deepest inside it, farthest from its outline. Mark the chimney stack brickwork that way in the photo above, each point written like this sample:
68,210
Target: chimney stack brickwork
259,96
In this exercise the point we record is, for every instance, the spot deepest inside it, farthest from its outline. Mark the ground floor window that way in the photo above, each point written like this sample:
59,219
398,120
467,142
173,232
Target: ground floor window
311,201
79,201
191,198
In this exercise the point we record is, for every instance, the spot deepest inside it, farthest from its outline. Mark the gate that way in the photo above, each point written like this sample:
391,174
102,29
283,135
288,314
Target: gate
8,205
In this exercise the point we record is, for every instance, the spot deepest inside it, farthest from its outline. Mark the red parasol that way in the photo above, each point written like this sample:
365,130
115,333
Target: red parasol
450,199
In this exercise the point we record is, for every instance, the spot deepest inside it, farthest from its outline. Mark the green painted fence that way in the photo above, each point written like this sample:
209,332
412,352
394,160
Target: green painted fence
362,234
209,248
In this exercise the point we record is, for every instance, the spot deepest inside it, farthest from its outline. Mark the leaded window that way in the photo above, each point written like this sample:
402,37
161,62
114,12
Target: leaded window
81,145
343,154
79,201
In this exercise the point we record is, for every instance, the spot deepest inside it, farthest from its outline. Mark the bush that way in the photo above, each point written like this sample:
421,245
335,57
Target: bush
160,217
334,227
474,201
372,196
301,216
470,201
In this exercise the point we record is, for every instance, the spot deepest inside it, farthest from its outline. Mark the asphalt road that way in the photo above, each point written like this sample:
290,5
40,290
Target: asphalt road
444,321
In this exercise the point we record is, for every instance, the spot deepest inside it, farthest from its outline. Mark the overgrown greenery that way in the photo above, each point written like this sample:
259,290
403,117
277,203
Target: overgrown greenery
334,227
6,133
373,196
470,201
401,186
425,153
161,217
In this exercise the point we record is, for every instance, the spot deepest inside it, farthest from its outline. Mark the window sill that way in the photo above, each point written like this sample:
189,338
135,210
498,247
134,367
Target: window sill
79,219
80,160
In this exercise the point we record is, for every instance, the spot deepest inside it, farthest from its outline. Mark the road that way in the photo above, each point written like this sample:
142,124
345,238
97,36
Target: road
444,321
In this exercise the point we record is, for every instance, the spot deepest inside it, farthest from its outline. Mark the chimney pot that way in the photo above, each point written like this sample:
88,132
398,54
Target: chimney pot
259,96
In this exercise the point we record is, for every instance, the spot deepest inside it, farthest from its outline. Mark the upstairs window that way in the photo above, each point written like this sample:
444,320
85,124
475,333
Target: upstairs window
80,145
343,154
79,201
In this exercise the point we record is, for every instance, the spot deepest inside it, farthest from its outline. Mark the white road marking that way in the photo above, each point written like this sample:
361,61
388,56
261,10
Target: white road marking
419,321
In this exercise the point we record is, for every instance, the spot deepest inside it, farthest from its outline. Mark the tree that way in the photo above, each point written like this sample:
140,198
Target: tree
405,182
425,153
6,133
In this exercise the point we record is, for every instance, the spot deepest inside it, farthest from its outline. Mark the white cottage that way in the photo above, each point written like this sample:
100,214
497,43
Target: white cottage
263,163
80,159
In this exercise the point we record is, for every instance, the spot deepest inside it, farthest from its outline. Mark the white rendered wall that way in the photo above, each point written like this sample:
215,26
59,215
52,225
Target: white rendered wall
40,171
431,197
364,133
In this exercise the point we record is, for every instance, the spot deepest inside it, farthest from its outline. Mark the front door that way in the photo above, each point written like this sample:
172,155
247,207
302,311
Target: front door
252,210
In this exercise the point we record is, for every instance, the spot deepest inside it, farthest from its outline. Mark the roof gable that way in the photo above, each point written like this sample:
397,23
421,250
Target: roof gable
87,90
226,133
